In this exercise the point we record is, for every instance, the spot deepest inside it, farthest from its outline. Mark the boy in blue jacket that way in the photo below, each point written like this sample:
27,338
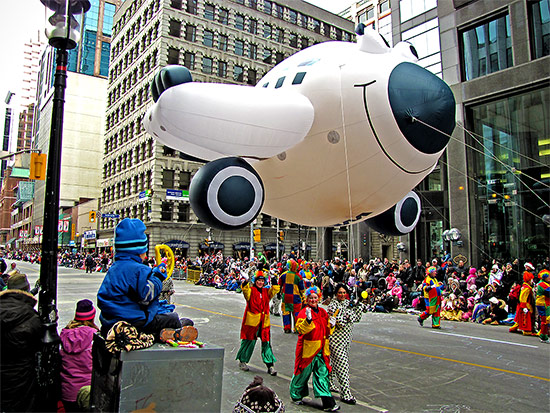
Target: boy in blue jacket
130,289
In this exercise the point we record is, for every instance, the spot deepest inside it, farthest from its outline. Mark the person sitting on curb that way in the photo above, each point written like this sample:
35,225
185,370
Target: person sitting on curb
130,290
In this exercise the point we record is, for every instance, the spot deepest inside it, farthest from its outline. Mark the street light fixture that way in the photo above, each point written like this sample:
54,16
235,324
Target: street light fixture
62,32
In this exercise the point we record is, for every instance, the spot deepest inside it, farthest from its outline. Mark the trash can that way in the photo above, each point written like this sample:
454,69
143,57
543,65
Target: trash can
159,378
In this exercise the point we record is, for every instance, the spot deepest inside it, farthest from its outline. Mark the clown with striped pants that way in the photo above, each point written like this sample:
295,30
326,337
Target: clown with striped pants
432,295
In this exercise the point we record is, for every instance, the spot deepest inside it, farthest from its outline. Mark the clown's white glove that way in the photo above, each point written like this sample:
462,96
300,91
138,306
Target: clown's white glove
525,310
332,321
308,314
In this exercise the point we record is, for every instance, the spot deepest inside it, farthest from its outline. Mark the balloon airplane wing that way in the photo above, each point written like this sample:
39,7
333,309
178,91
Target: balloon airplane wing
209,120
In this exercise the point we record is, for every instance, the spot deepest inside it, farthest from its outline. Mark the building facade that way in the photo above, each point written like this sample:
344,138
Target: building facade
219,41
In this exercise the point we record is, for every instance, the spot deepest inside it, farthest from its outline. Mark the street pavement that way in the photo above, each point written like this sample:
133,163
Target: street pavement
396,365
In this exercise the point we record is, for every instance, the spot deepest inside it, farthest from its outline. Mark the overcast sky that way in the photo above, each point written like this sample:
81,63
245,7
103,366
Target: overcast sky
21,20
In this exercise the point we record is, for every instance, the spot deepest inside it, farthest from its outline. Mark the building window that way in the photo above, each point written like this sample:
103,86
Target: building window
486,48
238,72
305,42
166,211
539,19
185,179
167,178
293,40
207,65
316,25
239,21
173,56
268,7
223,16
175,28
222,42
88,52
190,33
267,56
253,26
279,35
208,38
252,51
384,6
176,4
209,11
412,8
338,33
167,151
251,77
425,39
192,6
253,4
222,69
279,57
279,11
183,212
189,60
239,47
108,14
302,20
267,31
508,206
292,16
104,62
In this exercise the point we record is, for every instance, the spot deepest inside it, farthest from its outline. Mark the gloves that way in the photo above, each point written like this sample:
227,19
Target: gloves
308,314
245,276
525,310
160,271
332,321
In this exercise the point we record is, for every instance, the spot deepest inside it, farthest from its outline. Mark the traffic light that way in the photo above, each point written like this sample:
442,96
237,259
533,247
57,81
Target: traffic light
92,216
257,235
281,236
38,166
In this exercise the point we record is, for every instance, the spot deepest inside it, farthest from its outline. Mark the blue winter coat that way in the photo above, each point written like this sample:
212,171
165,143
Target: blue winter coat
129,292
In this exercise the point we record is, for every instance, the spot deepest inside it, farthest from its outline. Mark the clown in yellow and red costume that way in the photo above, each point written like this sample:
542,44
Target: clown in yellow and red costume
256,323
525,312
542,303
314,327
432,295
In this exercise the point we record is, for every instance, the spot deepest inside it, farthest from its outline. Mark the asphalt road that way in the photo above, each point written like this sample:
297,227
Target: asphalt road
396,365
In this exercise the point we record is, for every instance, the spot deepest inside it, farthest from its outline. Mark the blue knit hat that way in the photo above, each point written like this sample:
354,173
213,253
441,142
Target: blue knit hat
130,237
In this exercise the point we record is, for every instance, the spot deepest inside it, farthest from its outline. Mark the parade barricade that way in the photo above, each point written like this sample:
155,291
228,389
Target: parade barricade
193,273
159,378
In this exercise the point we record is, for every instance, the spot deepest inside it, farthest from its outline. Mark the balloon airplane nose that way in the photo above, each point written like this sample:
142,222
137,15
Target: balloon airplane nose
417,94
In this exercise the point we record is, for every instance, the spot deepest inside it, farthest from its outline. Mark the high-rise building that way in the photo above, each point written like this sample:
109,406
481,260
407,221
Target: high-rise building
84,112
494,177
219,41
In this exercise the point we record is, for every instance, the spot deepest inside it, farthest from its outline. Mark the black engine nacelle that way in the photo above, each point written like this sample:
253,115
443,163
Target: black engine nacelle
399,219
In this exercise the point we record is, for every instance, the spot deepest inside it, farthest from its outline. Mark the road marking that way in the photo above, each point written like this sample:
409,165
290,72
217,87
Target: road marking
452,360
486,339
400,350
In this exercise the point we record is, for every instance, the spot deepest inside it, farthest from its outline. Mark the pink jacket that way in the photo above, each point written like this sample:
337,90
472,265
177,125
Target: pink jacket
76,360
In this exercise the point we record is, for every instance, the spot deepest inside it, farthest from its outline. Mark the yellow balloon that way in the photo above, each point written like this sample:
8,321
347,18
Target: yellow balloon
364,295
169,255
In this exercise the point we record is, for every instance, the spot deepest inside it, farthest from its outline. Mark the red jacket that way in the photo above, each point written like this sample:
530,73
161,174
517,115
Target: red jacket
256,313
313,338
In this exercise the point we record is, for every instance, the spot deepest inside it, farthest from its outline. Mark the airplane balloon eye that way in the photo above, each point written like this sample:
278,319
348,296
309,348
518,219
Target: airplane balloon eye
413,51
406,50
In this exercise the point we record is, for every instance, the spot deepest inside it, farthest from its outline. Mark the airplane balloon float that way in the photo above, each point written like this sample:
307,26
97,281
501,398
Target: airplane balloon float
335,134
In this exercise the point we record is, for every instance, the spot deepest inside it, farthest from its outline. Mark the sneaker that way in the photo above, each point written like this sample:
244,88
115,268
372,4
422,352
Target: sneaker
187,333
544,341
349,401
298,402
334,408
420,321
243,366
271,370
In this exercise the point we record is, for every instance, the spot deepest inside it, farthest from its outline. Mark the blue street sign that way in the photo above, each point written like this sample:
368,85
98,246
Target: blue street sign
110,216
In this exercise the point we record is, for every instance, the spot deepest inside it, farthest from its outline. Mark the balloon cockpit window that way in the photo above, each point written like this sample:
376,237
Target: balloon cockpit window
298,78
265,84
309,62
279,82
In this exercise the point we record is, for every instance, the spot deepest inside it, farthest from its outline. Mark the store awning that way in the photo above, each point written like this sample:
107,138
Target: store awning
273,247
242,246
212,245
176,243
11,241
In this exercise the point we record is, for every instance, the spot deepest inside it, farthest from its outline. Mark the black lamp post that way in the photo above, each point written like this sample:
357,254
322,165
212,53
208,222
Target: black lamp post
63,34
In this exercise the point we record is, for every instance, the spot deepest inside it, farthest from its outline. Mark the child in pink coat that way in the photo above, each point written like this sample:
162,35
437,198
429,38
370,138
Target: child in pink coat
76,354
471,279
397,291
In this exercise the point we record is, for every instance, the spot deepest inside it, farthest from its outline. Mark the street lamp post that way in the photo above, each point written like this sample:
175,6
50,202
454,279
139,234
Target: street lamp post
62,32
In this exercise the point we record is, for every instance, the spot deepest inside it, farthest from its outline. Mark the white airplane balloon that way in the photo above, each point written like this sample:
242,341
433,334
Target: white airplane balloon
329,136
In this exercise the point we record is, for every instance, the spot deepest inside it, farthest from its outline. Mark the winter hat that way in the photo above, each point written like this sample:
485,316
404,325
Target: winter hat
529,267
495,267
472,271
431,270
527,276
493,300
259,398
84,311
130,236
18,281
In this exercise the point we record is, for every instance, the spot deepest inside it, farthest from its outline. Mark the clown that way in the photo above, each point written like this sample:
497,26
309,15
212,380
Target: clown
543,303
307,275
524,320
292,289
312,352
256,322
432,295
